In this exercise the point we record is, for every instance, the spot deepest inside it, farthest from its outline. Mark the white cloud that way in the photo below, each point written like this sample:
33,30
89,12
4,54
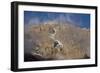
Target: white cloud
34,21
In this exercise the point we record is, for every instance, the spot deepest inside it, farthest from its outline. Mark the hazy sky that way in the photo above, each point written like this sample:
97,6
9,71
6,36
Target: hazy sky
33,17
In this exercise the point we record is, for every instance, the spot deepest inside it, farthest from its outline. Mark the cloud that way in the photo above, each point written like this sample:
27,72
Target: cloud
56,18
34,21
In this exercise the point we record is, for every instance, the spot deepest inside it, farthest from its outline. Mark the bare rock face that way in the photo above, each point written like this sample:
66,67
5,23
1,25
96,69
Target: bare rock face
55,41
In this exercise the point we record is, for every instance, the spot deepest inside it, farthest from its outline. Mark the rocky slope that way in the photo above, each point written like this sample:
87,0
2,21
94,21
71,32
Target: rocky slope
53,41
